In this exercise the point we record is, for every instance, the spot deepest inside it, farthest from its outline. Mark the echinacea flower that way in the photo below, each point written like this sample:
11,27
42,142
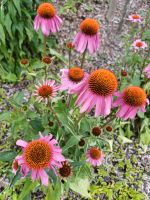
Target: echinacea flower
70,77
94,156
38,155
47,19
139,44
24,61
97,90
109,129
129,101
69,45
88,36
81,142
96,131
46,90
134,18
147,70
47,60
65,171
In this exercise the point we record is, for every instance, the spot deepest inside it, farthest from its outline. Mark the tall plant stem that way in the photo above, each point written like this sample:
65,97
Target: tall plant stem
69,100
45,70
45,45
83,58
54,114
69,58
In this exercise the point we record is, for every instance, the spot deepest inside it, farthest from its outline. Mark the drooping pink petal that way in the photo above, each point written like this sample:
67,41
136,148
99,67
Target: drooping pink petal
44,27
44,177
130,113
98,107
21,143
108,102
34,174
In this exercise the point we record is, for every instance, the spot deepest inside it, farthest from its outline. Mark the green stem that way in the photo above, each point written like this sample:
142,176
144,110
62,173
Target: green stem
45,71
69,58
69,100
54,114
83,58
45,45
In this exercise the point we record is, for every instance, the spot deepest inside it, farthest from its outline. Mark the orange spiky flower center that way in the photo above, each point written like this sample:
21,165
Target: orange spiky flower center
89,26
139,44
45,91
134,96
95,153
37,154
103,82
96,131
46,10
76,74
135,16
66,170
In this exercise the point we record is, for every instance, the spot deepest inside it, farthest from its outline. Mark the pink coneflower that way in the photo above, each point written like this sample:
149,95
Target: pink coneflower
131,100
139,44
88,37
147,70
94,156
97,90
46,90
70,77
135,18
39,155
47,19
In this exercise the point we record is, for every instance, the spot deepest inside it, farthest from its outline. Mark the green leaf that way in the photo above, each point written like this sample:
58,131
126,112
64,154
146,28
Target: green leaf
7,155
124,139
59,56
29,33
84,125
110,142
19,98
17,5
145,137
57,190
81,186
136,80
15,178
37,125
2,34
8,24
5,116
10,77
50,193
71,142
28,187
